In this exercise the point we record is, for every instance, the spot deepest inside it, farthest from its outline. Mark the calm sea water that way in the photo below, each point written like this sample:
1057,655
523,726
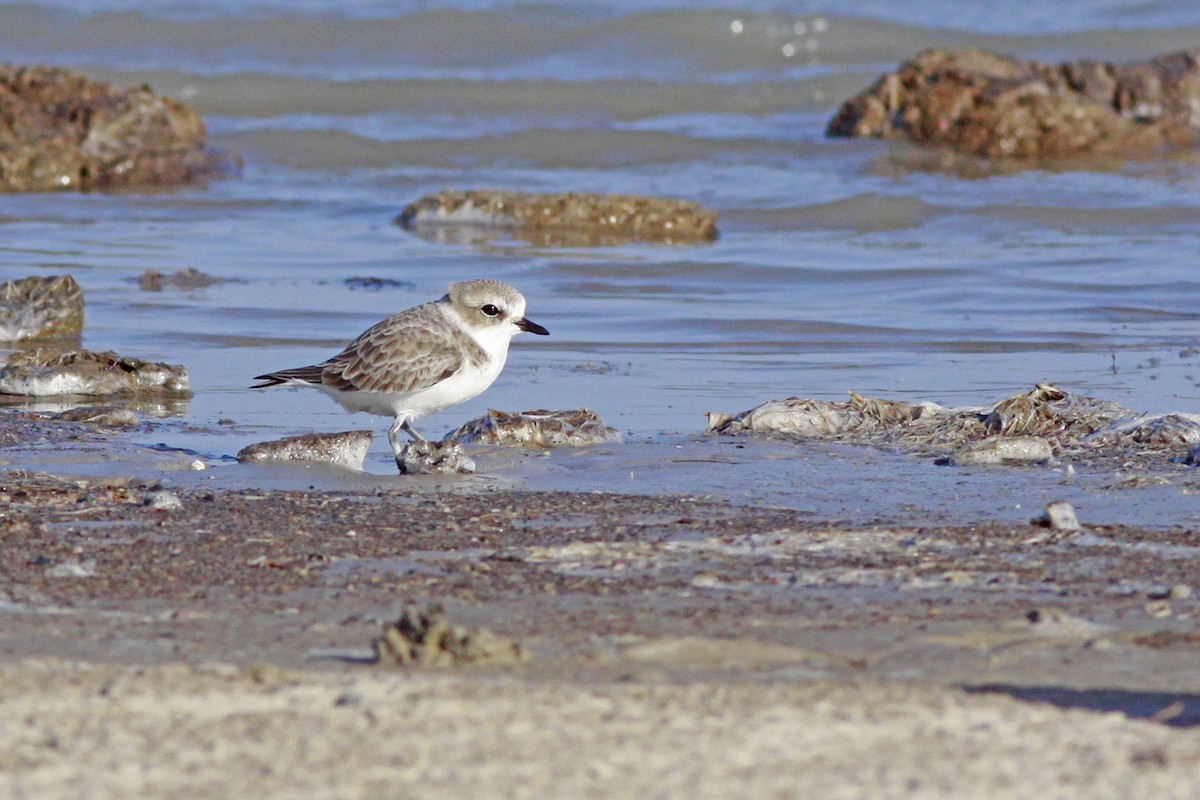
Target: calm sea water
842,265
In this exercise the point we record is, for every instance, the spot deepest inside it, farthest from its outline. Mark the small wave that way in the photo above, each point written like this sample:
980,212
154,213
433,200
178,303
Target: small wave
529,42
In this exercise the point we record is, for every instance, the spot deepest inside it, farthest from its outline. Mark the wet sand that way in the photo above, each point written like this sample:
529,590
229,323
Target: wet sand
160,638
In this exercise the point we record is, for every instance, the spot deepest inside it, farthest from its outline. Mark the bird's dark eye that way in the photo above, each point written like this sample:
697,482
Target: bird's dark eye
490,310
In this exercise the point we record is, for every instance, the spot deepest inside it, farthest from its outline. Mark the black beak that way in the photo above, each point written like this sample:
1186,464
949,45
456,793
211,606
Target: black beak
532,327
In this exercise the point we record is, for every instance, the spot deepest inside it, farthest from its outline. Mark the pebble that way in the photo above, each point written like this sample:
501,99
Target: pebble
163,500
73,569
1180,591
1158,609
1060,516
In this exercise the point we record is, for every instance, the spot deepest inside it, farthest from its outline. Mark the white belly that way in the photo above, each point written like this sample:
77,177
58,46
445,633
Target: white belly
459,387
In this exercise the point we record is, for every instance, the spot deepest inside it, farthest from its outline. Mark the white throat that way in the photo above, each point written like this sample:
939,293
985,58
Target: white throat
494,339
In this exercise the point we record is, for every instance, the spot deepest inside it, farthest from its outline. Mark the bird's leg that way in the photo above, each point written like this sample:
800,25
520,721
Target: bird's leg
411,431
393,438
401,424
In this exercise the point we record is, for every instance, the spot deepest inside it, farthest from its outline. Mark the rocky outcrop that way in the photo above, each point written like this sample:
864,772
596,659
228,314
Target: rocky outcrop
40,308
603,217
1002,108
62,131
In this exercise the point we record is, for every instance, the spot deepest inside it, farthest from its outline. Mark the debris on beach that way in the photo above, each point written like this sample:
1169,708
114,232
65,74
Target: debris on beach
49,373
186,280
539,428
62,131
1004,450
347,449
1038,426
40,308
434,458
998,107
425,637
619,217
816,418
1167,430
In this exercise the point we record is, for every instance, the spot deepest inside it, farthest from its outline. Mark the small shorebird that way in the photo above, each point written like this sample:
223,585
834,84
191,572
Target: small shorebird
422,360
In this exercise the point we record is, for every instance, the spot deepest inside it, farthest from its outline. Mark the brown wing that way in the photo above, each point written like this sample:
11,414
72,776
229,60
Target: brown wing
405,353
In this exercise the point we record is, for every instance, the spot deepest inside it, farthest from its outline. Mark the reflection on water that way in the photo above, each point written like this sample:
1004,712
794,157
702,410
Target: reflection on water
80,408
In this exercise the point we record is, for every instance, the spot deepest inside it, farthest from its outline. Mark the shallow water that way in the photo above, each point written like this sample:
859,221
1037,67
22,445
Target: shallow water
841,264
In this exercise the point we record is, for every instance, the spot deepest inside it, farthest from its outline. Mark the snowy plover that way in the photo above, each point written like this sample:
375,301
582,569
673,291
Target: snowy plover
422,360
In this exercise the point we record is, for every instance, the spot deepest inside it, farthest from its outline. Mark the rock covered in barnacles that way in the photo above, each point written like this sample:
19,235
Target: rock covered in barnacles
541,428
999,107
427,638
62,131
622,217
346,449
434,458
46,373
817,419
40,308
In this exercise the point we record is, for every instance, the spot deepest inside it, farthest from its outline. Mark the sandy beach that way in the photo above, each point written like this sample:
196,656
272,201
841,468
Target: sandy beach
166,641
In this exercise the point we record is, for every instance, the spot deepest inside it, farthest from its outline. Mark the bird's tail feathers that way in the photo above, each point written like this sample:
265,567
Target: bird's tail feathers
297,375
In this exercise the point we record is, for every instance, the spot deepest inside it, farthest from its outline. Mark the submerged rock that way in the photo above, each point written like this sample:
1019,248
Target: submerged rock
47,373
347,449
427,638
104,416
622,217
541,428
429,458
369,283
63,131
1033,426
187,280
999,107
40,308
